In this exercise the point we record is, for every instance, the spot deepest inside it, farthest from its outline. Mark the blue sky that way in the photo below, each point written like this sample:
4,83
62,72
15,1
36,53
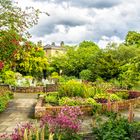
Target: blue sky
73,21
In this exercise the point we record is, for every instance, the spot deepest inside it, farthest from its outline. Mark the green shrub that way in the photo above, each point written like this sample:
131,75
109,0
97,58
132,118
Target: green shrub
77,101
5,96
64,78
101,96
69,101
114,129
114,97
51,99
55,75
9,77
89,91
85,74
3,102
122,94
72,88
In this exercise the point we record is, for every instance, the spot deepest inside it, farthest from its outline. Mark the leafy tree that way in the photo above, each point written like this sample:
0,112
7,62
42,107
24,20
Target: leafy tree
32,60
15,49
133,38
86,44
104,66
9,45
13,17
76,59
130,73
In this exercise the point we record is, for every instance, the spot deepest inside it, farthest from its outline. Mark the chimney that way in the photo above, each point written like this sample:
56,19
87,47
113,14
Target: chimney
53,44
62,44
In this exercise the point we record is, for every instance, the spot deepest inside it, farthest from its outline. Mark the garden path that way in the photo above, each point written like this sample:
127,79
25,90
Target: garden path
20,110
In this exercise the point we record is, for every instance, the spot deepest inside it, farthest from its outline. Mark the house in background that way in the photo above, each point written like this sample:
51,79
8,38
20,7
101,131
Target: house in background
54,50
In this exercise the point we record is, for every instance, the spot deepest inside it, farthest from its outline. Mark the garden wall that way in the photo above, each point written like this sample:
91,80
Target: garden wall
6,87
122,105
48,88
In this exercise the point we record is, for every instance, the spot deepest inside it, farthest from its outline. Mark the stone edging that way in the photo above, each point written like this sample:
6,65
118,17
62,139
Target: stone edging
122,105
48,88
41,110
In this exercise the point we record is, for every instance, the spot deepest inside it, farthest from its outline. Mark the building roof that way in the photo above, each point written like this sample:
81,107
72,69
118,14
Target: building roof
48,46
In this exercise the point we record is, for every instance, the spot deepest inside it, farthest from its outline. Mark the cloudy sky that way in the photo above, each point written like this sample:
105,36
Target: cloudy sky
73,21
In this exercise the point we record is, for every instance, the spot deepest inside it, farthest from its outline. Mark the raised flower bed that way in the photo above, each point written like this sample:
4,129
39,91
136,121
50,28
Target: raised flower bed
41,109
87,97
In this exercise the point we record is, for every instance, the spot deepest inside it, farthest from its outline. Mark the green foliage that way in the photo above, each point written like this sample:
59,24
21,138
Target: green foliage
117,128
5,96
74,101
13,17
9,77
55,75
114,129
75,60
51,99
122,94
133,38
130,73
85,74
114,62
3,102
30,62
72,88
88,44
114,97
63,79
101,96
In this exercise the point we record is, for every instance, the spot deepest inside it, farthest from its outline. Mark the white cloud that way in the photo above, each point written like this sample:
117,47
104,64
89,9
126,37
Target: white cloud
75,21
105,40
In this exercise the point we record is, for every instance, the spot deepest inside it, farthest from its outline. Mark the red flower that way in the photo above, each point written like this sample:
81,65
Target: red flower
1,65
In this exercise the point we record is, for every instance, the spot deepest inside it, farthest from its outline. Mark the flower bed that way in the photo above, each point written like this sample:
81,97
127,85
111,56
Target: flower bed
41,109
89,98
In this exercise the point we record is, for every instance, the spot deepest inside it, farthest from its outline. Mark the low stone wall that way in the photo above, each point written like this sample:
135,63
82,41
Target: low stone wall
52,88
6,87
41,110
29,89
123,105
48,88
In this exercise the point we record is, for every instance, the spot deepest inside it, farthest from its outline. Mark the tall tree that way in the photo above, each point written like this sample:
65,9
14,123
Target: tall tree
13,17
133,38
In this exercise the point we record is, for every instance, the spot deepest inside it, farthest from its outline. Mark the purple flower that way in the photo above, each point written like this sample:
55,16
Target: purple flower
66,120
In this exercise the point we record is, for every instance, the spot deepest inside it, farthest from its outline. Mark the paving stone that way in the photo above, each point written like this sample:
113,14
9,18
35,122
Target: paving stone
19,110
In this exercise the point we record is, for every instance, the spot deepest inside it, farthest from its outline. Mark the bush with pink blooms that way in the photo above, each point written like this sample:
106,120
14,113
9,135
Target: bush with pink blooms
64,124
